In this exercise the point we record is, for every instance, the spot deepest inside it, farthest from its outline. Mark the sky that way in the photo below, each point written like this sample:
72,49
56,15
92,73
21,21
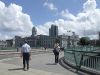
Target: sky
17,17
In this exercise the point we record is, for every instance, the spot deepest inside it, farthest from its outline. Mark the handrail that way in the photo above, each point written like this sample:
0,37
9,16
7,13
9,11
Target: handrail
89,59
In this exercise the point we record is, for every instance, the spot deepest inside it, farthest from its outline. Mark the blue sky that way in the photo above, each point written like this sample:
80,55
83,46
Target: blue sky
40,14
17,17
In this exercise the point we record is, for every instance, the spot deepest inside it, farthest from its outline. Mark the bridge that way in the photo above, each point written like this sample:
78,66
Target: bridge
77,60
83,58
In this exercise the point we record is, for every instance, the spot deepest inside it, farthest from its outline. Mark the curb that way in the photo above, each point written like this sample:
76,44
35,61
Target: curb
82,71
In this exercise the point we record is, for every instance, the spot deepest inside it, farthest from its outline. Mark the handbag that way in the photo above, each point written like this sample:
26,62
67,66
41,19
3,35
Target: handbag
55,51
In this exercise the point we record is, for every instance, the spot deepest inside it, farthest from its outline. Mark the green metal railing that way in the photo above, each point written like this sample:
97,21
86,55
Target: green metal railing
86,56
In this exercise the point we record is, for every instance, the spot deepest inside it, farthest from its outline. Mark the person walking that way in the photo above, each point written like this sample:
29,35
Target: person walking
17,49
56,52
45,48
26,54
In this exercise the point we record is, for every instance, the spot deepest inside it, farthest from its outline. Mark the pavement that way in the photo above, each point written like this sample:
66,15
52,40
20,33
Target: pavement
9,69
3,52
41,64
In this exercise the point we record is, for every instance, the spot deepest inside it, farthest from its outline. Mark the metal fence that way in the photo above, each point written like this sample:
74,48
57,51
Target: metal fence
86,56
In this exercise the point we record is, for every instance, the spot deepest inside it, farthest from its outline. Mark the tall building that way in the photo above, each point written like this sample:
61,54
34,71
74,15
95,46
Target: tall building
34,31
53,31
99,35
47,41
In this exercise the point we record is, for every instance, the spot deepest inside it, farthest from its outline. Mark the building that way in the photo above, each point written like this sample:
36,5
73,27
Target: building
95,42
34,32
68,41
3,44
53,31
10,43
47,41
32,41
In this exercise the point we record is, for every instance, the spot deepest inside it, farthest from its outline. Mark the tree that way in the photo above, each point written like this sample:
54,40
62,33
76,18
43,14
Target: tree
84,41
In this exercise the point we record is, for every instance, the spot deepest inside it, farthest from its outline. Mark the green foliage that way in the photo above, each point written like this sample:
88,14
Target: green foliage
84,41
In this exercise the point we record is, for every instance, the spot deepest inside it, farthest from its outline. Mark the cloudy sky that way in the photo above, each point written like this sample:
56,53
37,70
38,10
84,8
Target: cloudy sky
17,17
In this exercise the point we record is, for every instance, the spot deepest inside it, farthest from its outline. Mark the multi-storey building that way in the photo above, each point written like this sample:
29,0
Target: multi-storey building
3,44
53,31
48,41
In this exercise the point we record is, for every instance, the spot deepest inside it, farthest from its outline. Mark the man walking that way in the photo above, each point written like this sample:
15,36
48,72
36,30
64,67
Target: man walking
25,53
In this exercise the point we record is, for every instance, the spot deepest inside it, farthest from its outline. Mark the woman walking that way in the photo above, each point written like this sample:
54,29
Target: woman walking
56,52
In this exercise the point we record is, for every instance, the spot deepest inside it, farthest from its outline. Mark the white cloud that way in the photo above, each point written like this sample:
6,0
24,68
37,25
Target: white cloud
50,6
13,21
90,5
67,14
86,22
44,29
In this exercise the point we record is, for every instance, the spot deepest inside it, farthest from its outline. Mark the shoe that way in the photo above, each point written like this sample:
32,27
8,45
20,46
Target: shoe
55,63
27,69
24,69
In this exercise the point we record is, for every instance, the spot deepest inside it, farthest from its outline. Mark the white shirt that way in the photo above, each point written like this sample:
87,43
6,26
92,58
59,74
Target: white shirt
58,48
26,48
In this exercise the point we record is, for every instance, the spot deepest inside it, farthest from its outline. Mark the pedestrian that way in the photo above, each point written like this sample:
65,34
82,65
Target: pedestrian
26,54
45,47
56,52
17,49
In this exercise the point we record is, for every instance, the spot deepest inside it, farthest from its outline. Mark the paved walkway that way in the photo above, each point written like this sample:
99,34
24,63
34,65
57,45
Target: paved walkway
42,64
2,52
9,69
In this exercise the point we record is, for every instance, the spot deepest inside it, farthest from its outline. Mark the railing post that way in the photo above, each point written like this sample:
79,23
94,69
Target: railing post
91,58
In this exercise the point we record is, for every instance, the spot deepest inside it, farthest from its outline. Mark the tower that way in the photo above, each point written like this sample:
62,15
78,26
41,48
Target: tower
34,31
53,31
99,35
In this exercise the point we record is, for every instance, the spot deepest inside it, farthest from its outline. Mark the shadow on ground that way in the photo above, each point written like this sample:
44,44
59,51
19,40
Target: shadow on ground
15,69
50,64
